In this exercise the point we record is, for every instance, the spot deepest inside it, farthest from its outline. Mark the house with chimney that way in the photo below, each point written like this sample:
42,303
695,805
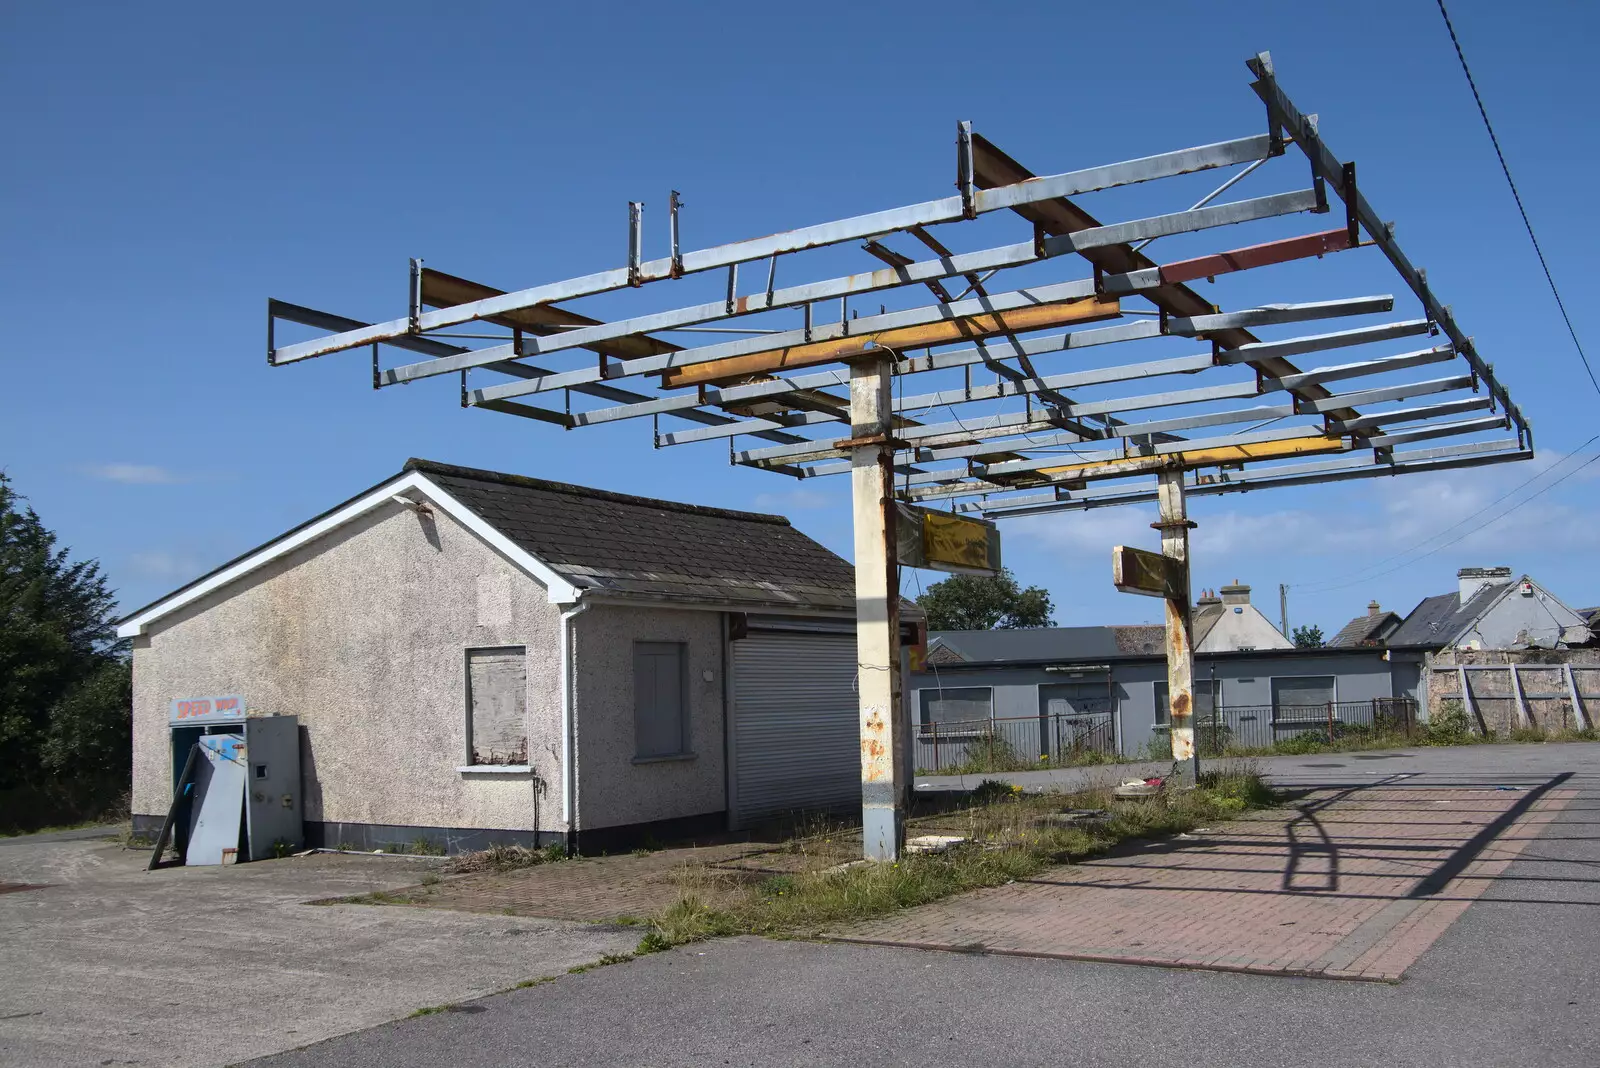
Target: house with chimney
1225,621
1371,630
1503,648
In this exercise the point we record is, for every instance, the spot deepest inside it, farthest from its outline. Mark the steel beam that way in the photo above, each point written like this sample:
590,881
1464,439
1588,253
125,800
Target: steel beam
902,272
1420,358
968,327
1273,314
1359,465
1303,129
1401,415
1391,393
949,209
671,366
1259,352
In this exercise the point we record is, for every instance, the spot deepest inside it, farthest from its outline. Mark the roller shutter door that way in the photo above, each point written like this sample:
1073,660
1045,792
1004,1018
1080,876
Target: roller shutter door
797,741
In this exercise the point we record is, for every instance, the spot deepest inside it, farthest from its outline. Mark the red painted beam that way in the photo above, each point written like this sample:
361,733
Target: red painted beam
1242,259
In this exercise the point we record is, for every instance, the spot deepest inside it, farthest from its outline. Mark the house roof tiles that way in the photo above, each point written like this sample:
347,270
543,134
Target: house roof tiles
646,548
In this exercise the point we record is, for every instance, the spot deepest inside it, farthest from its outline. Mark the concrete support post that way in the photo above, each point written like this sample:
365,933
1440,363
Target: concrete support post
1174,526
883,761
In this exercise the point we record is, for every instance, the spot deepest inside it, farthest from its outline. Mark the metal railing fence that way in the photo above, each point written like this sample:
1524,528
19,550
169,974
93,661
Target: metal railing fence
1019,743
1016,743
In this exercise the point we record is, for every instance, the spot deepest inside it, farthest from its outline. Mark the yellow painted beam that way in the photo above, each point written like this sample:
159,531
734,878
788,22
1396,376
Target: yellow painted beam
965,328
1220,454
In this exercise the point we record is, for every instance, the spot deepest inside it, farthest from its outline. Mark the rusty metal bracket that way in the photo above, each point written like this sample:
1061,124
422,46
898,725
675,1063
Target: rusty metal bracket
872,439
673,204
1174,524
415,299
964,170
635,241
1352,218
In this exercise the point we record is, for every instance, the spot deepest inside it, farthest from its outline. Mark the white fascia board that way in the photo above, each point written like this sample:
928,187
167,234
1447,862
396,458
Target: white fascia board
559,590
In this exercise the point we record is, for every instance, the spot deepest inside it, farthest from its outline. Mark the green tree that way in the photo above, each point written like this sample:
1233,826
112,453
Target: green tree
1307,637
65,708
974,602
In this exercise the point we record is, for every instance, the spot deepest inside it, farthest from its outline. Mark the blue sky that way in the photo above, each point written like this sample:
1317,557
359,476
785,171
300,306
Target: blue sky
170,167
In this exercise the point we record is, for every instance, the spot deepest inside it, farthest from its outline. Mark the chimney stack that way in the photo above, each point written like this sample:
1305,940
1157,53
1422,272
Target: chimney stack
1207,597
1374,609
1474,579
1236,594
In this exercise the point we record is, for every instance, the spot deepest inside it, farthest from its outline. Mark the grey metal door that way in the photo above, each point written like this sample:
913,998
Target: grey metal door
1075,715
796,741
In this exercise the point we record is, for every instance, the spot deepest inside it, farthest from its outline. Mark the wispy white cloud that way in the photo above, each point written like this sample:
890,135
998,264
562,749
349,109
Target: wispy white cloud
135,474
1360,524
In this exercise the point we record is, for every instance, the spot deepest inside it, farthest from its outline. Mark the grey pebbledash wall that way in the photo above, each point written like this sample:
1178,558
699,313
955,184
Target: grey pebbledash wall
615,788
363,635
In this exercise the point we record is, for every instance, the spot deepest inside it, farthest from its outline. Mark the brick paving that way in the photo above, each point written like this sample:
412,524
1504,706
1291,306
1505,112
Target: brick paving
1349,884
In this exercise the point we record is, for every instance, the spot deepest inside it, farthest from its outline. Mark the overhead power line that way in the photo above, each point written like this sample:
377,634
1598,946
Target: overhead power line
1363,576
1487,125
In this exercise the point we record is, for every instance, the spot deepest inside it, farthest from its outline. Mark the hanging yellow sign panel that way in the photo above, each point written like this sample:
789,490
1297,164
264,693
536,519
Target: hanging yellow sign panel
943,541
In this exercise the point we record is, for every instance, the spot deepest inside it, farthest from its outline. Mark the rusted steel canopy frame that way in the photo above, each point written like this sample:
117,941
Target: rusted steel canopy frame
1327,166
816,450
1130,332
1221,215
1060,216
1015,255
277,309
1359,465
978,327
1121,285
987,489
1273,446
438,289
948,209
937,483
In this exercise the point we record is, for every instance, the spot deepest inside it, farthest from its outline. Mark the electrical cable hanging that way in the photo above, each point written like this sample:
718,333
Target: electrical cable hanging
1548,277
1327,588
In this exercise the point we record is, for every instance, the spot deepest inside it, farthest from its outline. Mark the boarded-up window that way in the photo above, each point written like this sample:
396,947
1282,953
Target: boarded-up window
497,704
965,708
660,722
1205,701
1301,697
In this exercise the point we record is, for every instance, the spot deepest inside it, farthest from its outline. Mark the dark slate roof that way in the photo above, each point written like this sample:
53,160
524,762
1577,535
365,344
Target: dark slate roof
1036,644
1362,629
1437,620
638,547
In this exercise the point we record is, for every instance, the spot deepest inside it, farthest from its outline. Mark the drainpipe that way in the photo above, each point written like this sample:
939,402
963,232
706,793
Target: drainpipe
569,729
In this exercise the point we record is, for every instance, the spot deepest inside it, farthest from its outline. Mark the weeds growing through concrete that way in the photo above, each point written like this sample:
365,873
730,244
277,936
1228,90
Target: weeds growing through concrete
505,858
1009,836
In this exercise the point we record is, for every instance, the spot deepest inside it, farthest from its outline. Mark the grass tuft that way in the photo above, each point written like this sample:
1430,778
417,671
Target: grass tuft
1010,837
506,858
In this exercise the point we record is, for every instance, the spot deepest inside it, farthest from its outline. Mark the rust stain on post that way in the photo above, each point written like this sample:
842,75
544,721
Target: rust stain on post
1174,526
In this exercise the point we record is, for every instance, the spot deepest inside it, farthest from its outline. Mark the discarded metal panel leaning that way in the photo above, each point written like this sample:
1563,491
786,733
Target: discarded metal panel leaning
795,365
